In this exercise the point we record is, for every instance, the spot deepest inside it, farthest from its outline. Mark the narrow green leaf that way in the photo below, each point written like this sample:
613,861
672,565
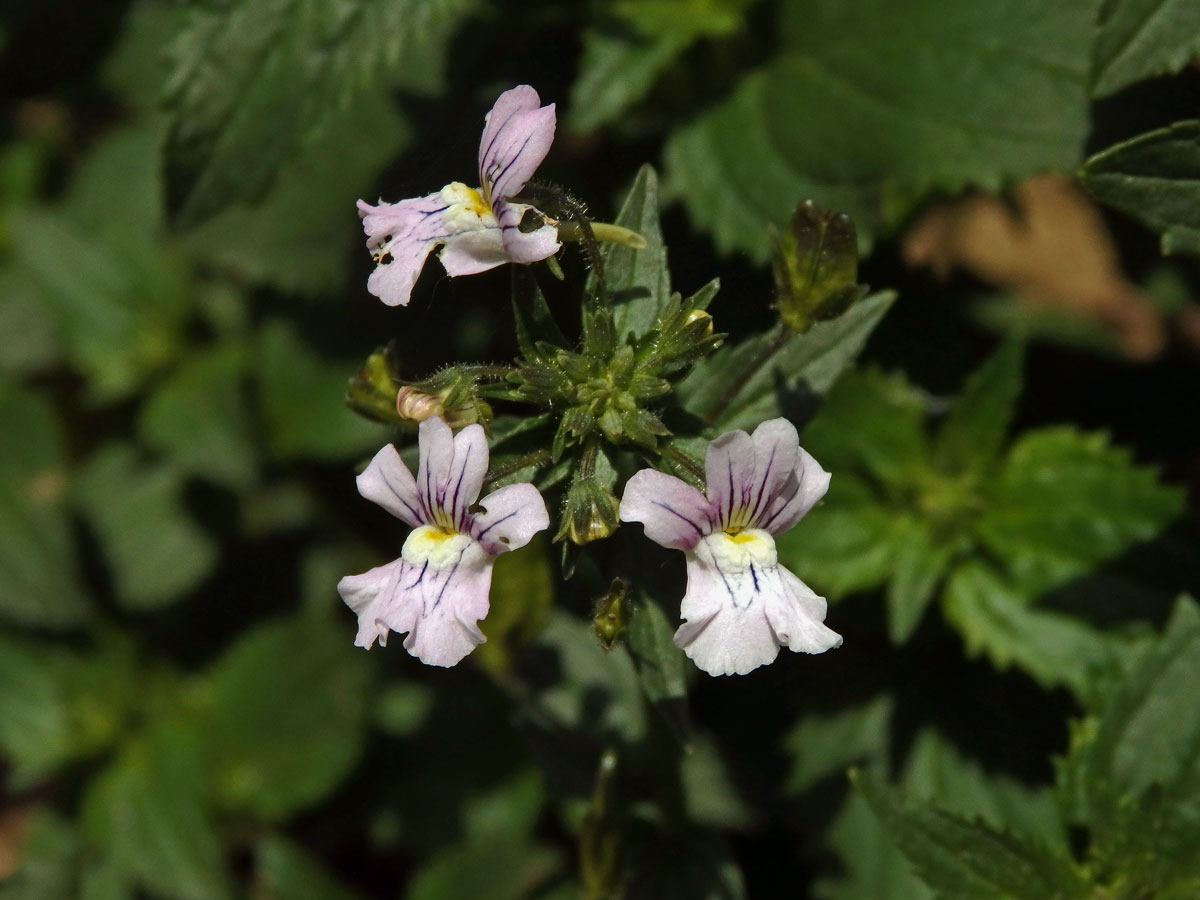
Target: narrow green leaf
973,434
155,552
38,580
661,666
787,381
963,859
1155,178
1053,648
284,716
1141,39
254,81
638,281
535,323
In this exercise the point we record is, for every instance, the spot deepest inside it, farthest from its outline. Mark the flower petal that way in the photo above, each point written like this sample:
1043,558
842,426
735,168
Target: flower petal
466,475
516,138
472,252
512,515
674,513
388,482
800,493
436,442
729,476
400,236
439,608
776,446
725,631
525,246
796,615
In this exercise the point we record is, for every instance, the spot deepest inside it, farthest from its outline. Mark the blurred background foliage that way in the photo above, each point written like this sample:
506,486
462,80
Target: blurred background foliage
1015,456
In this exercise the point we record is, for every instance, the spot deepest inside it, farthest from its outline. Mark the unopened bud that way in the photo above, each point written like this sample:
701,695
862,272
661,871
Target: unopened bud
815,262
413,405
700,315
590,513
610,616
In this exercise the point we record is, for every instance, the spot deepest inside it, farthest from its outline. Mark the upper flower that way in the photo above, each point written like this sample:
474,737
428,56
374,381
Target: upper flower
741,606
478,228
437,590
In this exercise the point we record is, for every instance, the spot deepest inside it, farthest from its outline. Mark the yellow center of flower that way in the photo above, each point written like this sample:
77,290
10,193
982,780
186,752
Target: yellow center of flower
439,547
466,208
736,551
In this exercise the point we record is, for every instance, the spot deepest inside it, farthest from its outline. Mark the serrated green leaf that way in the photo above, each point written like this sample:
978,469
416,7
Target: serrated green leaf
1147,732
297,238
820,746
58,706
871,104
154,550
284,716
146,813
38,580
200,417
302,397
1064,501
639,283
789,380
254,81
1155,178
973,434
873,422
617,68
284,871
1053,648
1140,39
919,563
967,860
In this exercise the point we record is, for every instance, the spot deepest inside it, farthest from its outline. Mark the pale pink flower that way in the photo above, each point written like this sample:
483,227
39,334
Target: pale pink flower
741,605
437,591
477,228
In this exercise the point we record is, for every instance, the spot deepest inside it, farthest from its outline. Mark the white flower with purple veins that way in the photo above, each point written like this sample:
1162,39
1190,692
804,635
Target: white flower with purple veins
741,605
477,228
437,590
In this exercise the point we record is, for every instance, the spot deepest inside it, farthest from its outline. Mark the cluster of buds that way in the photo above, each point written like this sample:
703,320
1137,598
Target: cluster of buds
451,394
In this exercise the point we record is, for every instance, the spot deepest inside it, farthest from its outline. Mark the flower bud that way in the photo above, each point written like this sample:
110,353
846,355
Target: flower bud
610,616
413,405
815,263
590,513
700,315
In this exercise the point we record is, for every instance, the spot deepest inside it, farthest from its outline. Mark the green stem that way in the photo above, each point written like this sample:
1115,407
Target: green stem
773,345
686,463
533,458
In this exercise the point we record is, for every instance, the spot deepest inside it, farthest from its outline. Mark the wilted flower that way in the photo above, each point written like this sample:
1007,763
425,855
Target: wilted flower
741,605
437,590
477,228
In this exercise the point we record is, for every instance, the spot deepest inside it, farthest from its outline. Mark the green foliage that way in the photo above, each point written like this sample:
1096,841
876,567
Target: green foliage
254,82
785,371
998,527
856,114
38,582
1153,178
1142,38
